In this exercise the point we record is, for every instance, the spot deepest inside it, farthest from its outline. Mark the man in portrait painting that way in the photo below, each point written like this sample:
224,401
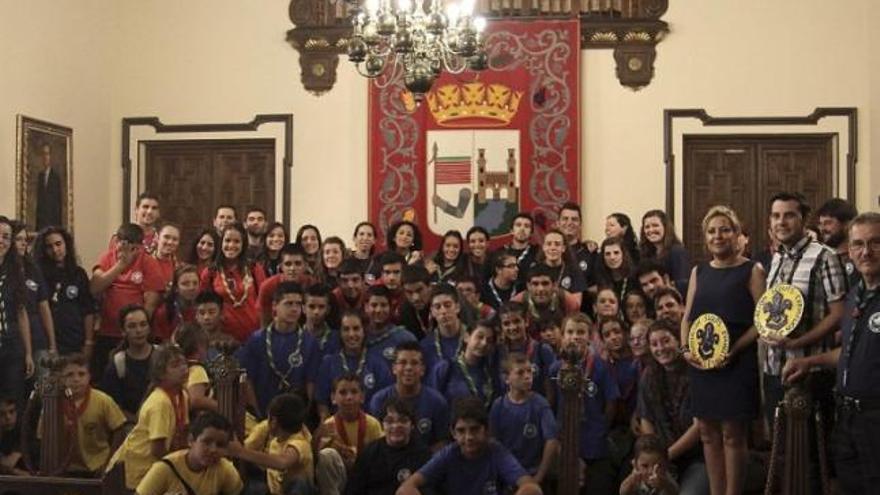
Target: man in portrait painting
49,194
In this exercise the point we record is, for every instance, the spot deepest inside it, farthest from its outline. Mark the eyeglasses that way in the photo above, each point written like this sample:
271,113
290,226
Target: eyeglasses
859,246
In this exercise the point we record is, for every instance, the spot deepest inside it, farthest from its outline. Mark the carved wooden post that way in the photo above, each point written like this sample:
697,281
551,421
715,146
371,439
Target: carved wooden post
226,375
53,439
796,477
571,386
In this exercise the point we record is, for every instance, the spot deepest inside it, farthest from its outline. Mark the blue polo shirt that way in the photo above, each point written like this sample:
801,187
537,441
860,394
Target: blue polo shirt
448,378
601,389
523,428
432,412
450,472
385,344
254,358
859,366
374,376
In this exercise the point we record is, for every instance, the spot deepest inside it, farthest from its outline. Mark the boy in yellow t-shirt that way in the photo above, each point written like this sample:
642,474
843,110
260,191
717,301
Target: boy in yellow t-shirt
343,436
91,415
162,418
200,469
282,445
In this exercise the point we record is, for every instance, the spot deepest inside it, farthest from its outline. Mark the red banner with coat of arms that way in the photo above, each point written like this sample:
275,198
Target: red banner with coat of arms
483,146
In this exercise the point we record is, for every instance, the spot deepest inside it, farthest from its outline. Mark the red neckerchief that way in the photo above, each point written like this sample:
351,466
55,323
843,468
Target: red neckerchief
72,413
178,401
343,434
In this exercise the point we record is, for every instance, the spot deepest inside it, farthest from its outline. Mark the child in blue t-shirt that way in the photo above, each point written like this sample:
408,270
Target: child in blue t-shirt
515,338
599,398
523,420
352,358
474,464
623,368
472,372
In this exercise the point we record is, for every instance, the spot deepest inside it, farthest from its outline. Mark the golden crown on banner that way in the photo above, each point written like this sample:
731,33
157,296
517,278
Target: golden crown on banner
457,105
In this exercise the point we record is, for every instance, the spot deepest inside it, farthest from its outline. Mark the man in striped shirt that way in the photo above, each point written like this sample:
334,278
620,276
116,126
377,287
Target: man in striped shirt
818,273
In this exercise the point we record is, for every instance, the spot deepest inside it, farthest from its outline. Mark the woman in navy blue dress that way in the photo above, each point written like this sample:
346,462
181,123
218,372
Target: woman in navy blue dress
726,398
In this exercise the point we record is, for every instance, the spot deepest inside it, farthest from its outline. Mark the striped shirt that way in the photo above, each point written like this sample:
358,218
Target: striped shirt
818,272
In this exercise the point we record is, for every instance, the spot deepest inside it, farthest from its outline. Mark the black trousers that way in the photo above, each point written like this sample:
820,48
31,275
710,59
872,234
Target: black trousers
856,448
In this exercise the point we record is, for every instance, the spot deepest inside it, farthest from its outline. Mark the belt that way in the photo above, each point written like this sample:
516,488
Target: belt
851,404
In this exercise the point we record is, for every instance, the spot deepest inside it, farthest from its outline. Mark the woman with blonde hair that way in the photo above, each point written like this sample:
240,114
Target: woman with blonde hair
725,398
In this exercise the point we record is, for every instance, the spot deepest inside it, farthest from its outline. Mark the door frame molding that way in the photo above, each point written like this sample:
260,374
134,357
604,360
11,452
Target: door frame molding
285,119
671,114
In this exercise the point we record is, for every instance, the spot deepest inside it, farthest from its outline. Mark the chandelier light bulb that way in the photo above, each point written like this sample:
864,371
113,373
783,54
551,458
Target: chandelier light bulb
467,8
480,24
404,6
452,13
371,6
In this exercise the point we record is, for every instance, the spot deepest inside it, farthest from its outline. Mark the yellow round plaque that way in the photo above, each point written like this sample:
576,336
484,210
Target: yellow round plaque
779,310
709,341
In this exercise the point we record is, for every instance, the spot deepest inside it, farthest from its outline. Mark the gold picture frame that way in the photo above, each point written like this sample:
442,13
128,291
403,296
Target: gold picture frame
43,199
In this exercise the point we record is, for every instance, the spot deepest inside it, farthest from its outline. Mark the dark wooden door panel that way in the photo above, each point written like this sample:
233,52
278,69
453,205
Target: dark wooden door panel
192,177
744,172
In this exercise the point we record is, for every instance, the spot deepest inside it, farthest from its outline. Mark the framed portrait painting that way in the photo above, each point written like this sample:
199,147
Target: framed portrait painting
44,174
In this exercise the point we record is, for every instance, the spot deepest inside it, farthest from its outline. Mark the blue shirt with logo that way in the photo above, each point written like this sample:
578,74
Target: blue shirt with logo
374,375
432,412
524,428
297,371
489,474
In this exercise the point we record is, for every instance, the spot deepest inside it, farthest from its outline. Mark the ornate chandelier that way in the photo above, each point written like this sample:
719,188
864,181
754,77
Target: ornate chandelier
395,38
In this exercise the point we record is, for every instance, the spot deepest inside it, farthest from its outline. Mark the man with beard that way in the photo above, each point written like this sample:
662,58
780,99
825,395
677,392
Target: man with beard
415,315
580,253
543,298
834,217
520,245
255,224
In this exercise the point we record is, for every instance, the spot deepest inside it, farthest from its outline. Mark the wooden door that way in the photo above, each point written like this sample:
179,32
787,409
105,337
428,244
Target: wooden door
192,177
743,172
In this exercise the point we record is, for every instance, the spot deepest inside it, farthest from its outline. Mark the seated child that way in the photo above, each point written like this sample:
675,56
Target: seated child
387,462
193,341
126,377
162,418
474,464
523,421
11,460
200,469
343,436
650,475
91,419
282,445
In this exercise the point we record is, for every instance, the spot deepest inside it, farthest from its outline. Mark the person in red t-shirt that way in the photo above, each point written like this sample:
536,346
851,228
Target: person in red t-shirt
291,268
146,215
166,252
237,281
179,304
123,275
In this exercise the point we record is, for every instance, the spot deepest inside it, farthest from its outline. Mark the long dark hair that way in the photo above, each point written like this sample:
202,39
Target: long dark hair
264,257
604,274
192,256
439,257
30,268
649,250
41,254
171,298
13,268
630,241
392,233
241,261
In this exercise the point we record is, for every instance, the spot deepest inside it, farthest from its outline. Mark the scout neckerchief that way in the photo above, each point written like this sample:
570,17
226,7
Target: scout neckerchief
864,297
294,360
178,402
339,423
461,331
381,337
246,281
72,412
472,385
324,335
522,256
533,309
425,327
624,393
495,293
361,362
445,272
795,254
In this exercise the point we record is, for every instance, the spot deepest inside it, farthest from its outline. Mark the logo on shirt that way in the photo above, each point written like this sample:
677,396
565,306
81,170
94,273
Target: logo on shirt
874,323
388,353
31,285
71,292
424,425
490,488
137,277
565,282
369,380
295,360
530,431
592,388
403,474
583,265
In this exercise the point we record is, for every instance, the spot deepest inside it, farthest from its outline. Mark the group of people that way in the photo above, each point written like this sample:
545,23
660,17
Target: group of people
381,371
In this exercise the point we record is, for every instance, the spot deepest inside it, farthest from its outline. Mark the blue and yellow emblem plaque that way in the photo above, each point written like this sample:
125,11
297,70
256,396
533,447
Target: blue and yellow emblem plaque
779,310
709,341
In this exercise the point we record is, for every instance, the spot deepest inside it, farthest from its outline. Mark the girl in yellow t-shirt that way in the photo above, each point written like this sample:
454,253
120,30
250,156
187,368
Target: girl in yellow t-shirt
162,418
193,341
